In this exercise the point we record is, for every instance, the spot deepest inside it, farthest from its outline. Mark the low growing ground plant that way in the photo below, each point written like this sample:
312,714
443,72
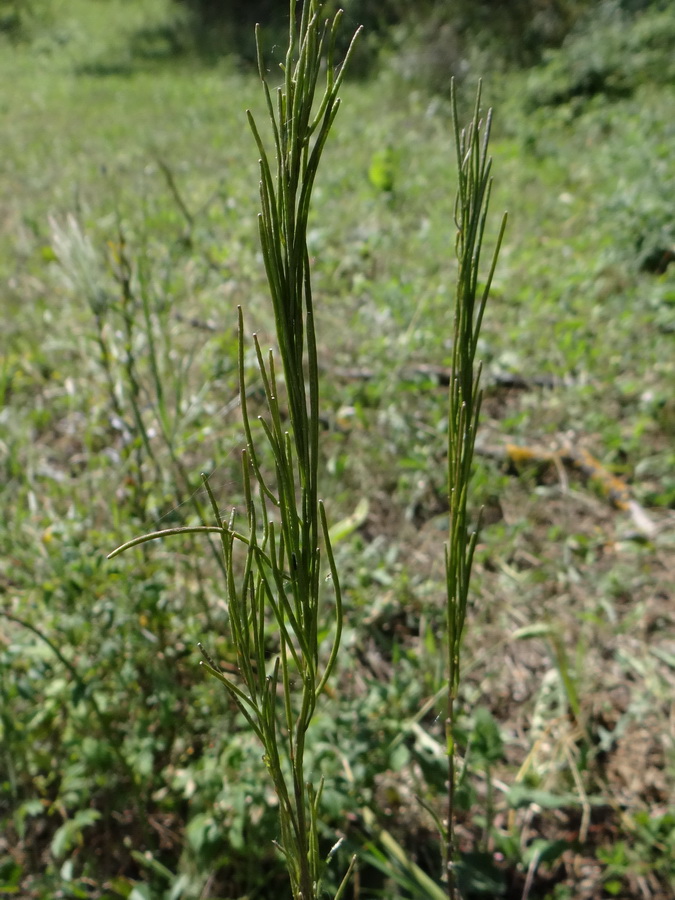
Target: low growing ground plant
123,774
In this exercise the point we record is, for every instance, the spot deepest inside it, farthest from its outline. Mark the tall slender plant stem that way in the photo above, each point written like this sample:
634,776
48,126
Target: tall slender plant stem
465,396
273,565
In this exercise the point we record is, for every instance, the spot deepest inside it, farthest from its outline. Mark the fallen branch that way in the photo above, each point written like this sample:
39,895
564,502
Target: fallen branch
442,374
613,488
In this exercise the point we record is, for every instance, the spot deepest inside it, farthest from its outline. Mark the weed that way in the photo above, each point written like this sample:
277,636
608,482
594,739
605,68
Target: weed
473,197
282,563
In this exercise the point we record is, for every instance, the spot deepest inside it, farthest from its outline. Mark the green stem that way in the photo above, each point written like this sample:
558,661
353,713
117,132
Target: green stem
464,403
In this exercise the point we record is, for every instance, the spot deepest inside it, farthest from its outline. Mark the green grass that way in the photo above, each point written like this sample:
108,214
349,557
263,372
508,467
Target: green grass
102,707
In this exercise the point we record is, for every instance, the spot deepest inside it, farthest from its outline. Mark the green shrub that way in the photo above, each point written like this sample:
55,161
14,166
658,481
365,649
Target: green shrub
610,53
16,17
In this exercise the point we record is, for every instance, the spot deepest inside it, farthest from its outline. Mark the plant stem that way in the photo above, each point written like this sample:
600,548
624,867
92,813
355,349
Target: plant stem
276,596
464,402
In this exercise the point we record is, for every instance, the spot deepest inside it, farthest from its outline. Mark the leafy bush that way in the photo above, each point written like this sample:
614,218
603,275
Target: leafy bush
610,53
16,17
430,37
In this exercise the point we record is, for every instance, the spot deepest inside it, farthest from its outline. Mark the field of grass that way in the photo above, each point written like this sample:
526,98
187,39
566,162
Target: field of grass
128,237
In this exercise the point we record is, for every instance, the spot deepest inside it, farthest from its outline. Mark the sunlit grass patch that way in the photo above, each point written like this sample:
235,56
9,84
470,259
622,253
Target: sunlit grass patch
567,588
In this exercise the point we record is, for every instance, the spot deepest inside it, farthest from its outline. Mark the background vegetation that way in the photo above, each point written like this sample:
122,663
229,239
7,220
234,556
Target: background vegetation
128,193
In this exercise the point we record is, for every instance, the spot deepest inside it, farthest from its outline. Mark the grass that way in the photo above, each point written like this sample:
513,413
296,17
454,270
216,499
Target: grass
572,602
